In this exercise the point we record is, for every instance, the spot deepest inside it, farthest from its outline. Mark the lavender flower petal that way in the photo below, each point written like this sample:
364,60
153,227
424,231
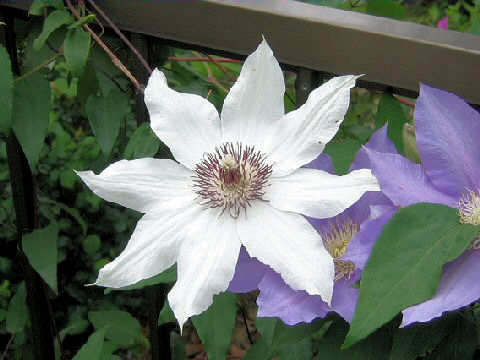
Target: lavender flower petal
458,287
405,182
448,138
248,273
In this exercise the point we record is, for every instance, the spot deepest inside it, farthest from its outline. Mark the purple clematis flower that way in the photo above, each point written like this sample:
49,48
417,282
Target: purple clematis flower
448,139
349,237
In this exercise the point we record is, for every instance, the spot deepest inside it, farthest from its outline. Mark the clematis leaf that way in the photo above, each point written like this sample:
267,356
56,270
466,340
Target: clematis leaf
143,143
17,315
92,349
55,20
215,326
105,115
123,328
375,347
411,342
40,247
76,48
342,154
390,9
166,315
31,108
406,264
6,91
391,111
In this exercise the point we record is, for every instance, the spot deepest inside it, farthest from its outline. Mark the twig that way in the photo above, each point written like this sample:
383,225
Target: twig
6,347
218,59
37,68
404,101
213,79
246,326
116,61
120,34
222,68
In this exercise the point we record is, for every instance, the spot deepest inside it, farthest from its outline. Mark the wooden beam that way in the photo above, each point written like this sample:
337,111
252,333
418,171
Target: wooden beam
389,52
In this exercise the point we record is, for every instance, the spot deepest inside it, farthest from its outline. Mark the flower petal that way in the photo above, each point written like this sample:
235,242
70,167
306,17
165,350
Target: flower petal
361,245
378,142
289,245
448,138
302,134
345,296
206,264
322,162
458,287
405,182
318,194
255,101
142,183
277,299
248,273
153,246
188,124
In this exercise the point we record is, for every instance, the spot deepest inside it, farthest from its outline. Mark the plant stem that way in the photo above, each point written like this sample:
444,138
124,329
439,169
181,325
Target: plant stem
37,68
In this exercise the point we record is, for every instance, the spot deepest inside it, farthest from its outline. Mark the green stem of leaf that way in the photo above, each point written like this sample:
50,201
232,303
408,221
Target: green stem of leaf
36,69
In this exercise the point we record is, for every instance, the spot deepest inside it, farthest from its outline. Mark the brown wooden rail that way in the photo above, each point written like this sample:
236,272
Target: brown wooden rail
389,52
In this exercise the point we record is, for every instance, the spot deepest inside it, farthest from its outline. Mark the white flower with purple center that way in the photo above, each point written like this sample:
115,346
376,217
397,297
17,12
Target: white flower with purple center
238,181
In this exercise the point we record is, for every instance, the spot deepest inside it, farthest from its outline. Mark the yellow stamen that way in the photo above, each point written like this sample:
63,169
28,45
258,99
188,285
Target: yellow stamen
469,208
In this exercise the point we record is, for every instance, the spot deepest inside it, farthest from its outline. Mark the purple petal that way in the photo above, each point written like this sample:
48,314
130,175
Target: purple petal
378,142
448,138
248,273
405,182
345,297
322,162
458,287
362,244
278,299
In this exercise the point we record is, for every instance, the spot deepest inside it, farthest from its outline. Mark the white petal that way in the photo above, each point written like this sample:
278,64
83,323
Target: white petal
206,264
153,247
255,101
140,184
318,194
290,246
302,134
188,124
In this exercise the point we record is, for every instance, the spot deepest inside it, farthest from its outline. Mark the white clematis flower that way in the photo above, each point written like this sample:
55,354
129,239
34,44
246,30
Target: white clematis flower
238,182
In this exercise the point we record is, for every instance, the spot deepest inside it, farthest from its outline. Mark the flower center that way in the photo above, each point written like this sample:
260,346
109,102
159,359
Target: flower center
469,208
469,212
336,239
232,177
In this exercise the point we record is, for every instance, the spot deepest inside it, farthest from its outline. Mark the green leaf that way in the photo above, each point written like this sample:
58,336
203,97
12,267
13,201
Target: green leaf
123,328
215,325
179,352
105,115
167,277
93,347
143,143
406,264
6,92
17,314
31,108
40,247
166,315
299,350
342,154
375,347
391,111
91,244
37,8
390,9
417,340
55,20
84,20
259,351
461,341
76,48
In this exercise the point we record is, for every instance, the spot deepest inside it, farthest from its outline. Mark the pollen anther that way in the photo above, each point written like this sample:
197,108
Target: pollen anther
469,208
232,177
